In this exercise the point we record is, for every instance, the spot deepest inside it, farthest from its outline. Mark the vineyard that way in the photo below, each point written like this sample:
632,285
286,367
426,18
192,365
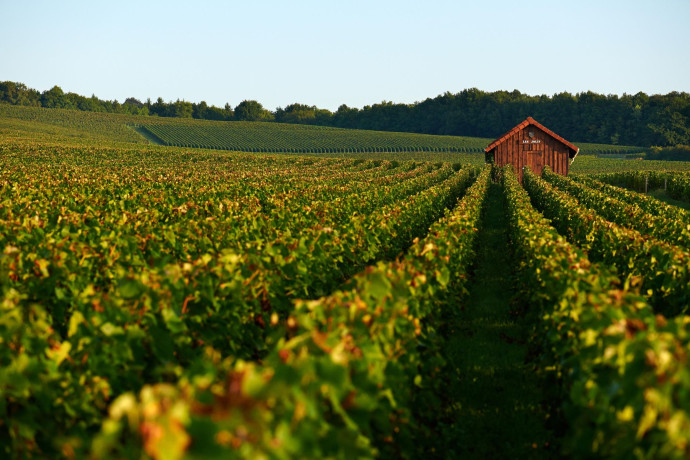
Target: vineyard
274,137
165,302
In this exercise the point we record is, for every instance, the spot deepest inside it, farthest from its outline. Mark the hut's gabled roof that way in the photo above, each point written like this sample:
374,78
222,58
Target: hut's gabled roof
531,121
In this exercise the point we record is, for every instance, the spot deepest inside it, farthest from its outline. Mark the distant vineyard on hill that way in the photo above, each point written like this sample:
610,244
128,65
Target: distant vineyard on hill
273,137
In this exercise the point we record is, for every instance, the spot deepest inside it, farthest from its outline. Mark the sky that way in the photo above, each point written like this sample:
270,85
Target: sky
327,53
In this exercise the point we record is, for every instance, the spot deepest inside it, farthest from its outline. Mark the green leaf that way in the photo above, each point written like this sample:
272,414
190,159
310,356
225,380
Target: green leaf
130,289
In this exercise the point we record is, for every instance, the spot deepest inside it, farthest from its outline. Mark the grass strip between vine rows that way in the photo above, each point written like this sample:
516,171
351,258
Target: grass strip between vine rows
623,370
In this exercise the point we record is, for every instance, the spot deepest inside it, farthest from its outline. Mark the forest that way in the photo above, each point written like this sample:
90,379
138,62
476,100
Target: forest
639,119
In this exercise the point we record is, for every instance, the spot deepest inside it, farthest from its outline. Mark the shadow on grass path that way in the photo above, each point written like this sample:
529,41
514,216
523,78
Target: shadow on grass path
662,195
495,396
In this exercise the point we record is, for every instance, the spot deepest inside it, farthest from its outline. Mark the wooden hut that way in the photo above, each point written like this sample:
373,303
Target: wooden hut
532,145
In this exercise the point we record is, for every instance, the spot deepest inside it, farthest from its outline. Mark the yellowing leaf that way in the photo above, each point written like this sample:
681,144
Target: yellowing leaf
59,353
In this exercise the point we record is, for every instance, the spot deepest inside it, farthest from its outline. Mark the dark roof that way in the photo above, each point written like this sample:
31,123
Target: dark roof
531,121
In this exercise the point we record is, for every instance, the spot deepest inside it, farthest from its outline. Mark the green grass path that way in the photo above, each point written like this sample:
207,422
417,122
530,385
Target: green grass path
662,195
495,395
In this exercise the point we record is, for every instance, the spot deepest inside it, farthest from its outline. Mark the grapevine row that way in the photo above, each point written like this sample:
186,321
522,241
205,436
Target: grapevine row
647,203
622,213
623,369
348,369
677,184
661,269
146,323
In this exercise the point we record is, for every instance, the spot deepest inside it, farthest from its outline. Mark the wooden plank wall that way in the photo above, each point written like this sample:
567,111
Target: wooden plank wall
549,152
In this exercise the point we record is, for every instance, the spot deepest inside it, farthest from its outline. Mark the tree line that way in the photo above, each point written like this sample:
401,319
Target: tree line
638,119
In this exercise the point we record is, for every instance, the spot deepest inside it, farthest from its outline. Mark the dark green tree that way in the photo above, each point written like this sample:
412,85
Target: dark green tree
252,111
54,98
182,109
199,110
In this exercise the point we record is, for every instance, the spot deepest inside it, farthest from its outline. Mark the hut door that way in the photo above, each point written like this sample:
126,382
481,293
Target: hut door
538,162
535,160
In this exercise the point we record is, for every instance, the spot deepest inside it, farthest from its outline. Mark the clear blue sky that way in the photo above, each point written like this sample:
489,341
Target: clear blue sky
353,52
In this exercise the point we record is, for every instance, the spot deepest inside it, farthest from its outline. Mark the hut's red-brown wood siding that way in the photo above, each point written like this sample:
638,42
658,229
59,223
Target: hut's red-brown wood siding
542,148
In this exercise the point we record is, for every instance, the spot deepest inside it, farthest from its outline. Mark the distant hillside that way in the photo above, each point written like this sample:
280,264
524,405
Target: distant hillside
240,136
